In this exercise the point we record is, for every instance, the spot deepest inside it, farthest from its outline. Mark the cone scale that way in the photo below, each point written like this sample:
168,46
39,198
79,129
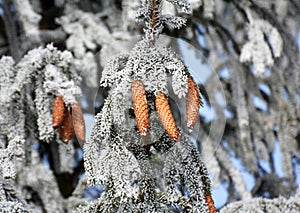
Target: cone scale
66,130
78,122
140,105
58,112
166,117
193,102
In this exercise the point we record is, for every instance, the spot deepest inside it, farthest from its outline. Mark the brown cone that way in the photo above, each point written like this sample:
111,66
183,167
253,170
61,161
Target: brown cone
140,105
210,203
193,102
166,117
78,122
58,111
66,130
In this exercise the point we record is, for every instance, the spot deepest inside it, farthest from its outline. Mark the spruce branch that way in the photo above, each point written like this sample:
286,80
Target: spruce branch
150,13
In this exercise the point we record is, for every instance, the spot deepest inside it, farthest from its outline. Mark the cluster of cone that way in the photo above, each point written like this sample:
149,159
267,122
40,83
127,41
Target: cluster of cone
68,122
163,109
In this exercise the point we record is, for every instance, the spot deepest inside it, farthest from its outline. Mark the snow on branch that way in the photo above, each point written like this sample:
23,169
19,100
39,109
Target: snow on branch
152,65
11,206
47,72
29,18
114,139
26,91
86,33
150,13
280,204
173,22
265,44
111,72
182,5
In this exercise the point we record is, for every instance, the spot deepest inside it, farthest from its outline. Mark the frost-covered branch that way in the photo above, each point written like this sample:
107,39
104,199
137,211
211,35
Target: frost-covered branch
280,204
260,50
150,13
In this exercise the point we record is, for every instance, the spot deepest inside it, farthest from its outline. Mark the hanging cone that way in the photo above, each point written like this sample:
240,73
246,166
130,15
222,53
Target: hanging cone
166,117
78,122
140,105
193,102
58,112
66,130
210,203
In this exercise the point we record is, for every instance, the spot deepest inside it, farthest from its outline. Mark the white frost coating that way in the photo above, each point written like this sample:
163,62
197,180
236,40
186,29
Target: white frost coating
114,156
179,75
89,70
110,72
29,19
183,5
58,84
85,32
9,157
211,164
274,37
121,102
8,168
11,206
151,65
35,61
147,64
118,165
43,182
168,8
257,50
209,8
6,77
280,204
66,157
144,14
44,121
195,4
129,11
235,174
100,131
47,72
105,117
173,22
91,155
230,20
